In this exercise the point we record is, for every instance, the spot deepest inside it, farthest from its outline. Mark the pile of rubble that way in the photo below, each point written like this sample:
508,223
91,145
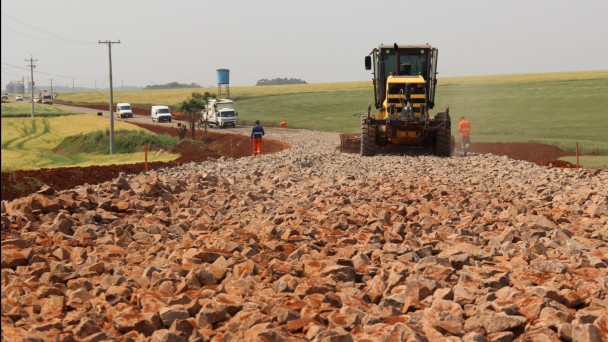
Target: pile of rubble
312,244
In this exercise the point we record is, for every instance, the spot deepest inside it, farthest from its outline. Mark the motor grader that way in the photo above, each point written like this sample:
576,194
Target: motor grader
405,78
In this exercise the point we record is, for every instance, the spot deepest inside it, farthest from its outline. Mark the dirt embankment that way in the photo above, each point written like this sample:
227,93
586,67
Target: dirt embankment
22,183
540,154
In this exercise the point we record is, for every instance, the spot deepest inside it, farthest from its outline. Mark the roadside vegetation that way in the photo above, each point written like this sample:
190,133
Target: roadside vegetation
125,141
33,143
194,110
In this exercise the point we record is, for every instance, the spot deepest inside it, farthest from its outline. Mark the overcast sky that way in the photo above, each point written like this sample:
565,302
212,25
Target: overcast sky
186,41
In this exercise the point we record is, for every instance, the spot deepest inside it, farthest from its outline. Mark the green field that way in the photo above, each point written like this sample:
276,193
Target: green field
559,109
30,143
24,110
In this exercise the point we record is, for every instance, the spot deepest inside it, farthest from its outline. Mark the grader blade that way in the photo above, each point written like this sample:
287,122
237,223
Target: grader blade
350,141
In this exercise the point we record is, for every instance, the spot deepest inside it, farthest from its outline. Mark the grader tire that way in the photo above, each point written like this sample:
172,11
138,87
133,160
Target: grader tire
368,140
453,146
443,143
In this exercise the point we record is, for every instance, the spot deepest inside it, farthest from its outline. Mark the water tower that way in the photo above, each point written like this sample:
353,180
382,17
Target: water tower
223,83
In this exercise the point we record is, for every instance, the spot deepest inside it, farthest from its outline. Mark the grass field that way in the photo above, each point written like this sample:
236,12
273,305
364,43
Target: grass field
29,143
553,108
24,110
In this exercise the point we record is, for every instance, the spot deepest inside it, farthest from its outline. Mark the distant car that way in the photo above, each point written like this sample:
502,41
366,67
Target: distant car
18,98
4,96
36,99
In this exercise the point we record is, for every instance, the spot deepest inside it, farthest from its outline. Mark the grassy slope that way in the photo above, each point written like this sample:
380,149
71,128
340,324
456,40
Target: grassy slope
570,111
28,143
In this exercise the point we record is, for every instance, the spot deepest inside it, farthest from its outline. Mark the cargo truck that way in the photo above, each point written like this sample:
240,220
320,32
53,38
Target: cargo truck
45,96
220,113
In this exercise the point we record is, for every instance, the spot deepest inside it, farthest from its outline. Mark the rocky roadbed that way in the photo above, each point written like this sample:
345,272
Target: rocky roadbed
25,182
312,244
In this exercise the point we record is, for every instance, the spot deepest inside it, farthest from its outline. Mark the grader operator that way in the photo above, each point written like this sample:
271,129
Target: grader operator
405,77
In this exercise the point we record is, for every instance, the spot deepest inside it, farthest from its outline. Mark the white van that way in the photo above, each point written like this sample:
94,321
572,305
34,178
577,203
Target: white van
160,114
123,110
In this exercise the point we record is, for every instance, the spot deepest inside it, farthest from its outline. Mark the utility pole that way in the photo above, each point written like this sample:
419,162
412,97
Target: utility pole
95,85
32,66
23,89
109,43
73,85
52,89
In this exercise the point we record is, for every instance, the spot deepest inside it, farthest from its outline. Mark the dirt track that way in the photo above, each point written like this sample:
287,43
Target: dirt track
22,183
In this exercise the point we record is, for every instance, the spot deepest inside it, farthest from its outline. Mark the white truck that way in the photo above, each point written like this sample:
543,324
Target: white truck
160,113
220,113
45,96
124,110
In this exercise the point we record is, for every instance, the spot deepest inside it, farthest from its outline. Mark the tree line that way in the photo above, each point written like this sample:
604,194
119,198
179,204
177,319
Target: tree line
172,85
280,81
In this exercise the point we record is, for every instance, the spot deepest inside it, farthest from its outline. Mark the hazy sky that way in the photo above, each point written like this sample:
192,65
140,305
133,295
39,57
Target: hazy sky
186,41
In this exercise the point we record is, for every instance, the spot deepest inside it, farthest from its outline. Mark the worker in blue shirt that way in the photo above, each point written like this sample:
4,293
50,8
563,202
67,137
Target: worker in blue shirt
257,132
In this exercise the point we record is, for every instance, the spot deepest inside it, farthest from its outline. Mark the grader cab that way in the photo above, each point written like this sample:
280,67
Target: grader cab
405,77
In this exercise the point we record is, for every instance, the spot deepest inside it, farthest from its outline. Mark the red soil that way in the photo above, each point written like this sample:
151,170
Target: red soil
22,183
540,154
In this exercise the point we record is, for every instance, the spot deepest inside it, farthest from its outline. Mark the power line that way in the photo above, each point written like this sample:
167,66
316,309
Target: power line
66,40
35,37
50,74
10,73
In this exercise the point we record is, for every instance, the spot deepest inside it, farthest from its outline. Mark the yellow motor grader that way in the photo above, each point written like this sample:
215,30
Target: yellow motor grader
405,77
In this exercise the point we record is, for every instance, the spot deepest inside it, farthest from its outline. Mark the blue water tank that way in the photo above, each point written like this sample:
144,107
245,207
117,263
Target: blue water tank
223,76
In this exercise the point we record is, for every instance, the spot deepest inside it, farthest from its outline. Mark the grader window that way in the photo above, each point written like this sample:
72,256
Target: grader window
417,63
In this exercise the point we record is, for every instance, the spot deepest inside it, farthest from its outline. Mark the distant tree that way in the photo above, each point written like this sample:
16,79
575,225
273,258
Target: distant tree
194,109
172,85
204,118
279,81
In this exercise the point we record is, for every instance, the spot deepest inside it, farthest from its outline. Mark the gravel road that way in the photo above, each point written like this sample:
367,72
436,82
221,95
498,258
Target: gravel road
313,244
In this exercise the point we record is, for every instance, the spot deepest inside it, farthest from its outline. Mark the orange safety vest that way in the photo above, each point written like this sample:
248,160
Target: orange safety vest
464,126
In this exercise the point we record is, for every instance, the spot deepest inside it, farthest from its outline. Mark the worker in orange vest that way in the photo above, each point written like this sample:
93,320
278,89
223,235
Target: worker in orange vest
464,127
257,132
